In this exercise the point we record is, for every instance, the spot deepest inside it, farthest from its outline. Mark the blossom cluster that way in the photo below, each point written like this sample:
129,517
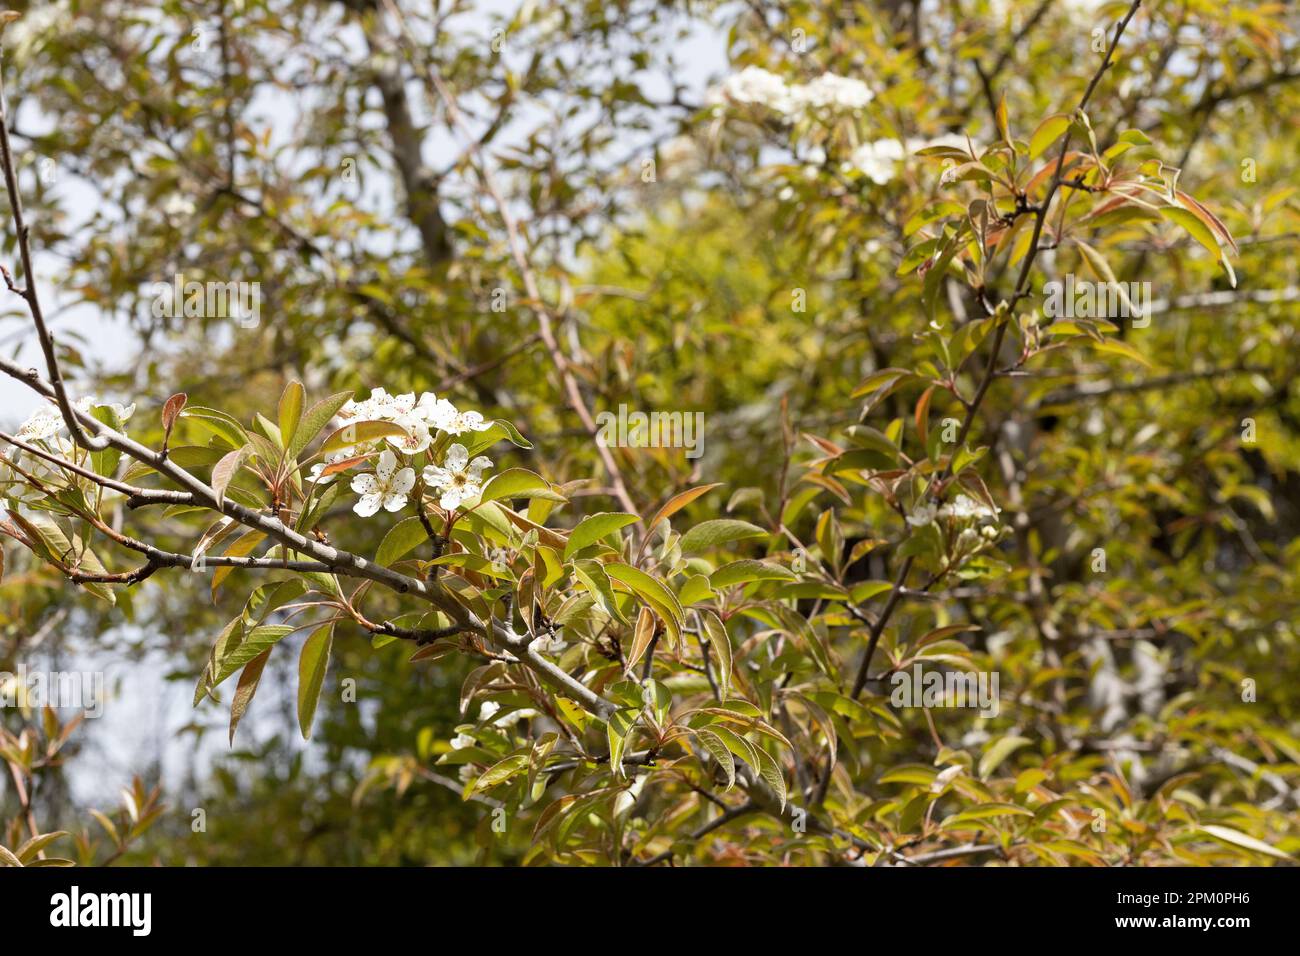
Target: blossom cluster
828,93
458,479
47,421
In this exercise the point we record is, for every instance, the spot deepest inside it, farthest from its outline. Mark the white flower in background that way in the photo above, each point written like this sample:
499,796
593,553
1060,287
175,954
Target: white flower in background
878,160
467,771
966,508
488,710
387,486
444,416
177,207
459,479
417,436
831,92
461,741
755,85
922,515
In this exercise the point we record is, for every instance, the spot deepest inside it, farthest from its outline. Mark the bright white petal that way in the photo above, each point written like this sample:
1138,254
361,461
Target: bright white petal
477,465
450,499
365,485
366,505
394,502
403,482
438,477
456,458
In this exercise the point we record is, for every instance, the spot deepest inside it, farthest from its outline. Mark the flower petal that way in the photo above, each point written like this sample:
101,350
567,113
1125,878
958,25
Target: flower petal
456,457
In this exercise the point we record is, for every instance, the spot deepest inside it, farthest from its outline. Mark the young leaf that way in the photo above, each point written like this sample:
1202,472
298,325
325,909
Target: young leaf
594,527
312,664
246,688
315,419
290,410
719,531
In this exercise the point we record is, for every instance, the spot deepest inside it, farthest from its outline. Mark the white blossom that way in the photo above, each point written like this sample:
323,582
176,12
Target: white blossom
177,207
459,479
388,487
831,92
828,93
461,741
922,515
966,508
878,160
444,416
47,421
380,407
755,85
417,436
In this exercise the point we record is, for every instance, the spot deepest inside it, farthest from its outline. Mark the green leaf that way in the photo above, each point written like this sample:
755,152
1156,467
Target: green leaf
519,483
1116,347
998,751
255,642
720,642
1048,132
617,728
592,576
1199,231
770,771
246,688
36,844
224,471
290,410
312,664
651,591
1246,842
218,423
866,590
358,433
499,772
315,419
695,590
742,572
713,743
719,531
591,529
400,539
